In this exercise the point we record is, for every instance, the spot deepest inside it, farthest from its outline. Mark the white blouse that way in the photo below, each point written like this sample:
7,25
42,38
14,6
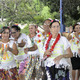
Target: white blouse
21,55
60,48
9,62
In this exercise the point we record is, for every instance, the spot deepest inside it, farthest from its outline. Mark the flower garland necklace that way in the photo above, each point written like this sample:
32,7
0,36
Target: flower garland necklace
52,47
39,36
48,34
75,40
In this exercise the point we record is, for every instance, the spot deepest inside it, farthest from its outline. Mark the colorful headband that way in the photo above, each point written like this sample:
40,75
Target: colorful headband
78,23
16,24
50,19
55,20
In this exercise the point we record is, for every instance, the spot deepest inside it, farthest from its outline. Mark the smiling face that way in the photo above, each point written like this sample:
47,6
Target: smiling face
5,34
55,28
32,29
15,33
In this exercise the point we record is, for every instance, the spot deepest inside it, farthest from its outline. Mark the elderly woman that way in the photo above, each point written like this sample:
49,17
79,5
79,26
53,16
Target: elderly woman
57,49
8,48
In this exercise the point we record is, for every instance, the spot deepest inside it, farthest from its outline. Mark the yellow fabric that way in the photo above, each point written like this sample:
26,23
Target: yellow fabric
4,54
55,54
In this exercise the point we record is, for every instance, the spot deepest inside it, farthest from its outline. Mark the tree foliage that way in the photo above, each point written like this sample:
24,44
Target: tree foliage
36,11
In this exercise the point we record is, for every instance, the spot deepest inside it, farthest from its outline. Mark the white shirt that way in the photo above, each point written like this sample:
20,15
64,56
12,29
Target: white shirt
21,55
60,48
74,45
38,40
10,61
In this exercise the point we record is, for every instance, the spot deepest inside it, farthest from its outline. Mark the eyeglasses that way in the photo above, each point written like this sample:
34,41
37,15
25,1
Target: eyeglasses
46,24
13,32
77,28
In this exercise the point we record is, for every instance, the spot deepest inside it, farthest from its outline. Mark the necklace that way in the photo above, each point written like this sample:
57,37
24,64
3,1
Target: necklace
55,42
75,40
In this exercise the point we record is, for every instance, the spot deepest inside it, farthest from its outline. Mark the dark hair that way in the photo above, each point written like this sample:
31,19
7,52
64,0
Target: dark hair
16,27
74,26
4,28
54,20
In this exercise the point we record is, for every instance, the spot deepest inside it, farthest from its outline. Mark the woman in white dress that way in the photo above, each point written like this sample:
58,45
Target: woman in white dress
75,47
33,69
57,49
8,48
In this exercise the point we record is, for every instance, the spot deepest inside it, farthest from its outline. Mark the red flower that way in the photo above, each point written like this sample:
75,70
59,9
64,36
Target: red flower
39,41
77,42
73,37
37,31
51,20
39,35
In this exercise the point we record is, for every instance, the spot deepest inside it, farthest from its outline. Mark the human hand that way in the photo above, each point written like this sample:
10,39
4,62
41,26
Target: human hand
25,50
47,52
22,44
57,59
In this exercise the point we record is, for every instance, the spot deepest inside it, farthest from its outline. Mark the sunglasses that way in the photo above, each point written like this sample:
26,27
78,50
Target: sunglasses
46,24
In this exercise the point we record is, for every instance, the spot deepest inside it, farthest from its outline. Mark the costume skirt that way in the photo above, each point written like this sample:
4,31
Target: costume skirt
54,73
11,74
33,68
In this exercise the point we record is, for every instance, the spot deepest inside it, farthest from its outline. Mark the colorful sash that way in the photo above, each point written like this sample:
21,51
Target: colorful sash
4,52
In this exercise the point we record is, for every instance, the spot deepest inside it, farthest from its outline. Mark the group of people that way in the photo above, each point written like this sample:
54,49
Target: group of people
39,55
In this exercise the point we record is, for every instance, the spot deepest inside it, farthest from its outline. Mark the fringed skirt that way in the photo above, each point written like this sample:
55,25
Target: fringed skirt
11,74
54,73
